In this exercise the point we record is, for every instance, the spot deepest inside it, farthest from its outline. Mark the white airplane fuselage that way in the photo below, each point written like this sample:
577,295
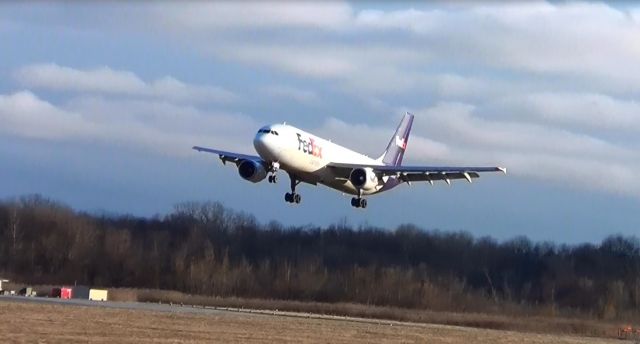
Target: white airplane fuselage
306,156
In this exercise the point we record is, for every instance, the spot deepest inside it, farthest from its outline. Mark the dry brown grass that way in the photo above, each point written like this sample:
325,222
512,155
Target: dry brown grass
531,324
49,323
538,323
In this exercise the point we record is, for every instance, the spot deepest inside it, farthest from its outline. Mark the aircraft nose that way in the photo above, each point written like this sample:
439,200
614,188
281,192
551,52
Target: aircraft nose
259,142
265,146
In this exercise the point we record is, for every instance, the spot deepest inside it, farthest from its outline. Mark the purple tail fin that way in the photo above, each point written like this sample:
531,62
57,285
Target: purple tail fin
398,144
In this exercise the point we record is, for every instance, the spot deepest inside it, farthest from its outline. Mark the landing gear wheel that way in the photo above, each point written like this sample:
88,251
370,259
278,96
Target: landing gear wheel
358,202
292,198
273,179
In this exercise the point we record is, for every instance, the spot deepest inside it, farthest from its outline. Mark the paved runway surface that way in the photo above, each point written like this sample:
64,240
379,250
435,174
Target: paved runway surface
120,305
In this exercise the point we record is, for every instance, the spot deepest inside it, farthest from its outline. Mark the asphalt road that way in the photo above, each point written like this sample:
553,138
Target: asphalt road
118,305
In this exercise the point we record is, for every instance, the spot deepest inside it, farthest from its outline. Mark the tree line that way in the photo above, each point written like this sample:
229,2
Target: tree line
205,248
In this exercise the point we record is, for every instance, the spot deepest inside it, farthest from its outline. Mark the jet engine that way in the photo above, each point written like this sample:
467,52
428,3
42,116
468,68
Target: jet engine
363,178
252,171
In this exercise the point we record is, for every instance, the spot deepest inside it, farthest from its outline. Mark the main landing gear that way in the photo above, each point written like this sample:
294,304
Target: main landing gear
293,197
359,202
273,178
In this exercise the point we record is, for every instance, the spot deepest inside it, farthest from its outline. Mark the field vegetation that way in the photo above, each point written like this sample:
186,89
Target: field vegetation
57,323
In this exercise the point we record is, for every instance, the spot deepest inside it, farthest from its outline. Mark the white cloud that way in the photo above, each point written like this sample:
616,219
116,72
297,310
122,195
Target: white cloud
414,20
364,47
635,14
580,172
155,126
531,150
169,119
23,114
519,84
106,80
225,15
292,93
317,62
457,122
368,46
588,110
103,79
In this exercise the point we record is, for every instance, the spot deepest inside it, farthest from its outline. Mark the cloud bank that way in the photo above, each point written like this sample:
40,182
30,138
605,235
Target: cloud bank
51,76
516,84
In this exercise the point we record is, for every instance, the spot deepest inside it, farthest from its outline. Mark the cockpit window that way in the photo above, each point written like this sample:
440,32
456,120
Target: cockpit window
268,131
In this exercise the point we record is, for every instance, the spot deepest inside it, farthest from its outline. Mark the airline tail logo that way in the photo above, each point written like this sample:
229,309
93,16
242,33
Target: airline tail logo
400,142
310,147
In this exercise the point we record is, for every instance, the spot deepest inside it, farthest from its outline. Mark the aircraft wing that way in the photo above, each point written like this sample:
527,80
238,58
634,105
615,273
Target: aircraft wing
225,156
422,173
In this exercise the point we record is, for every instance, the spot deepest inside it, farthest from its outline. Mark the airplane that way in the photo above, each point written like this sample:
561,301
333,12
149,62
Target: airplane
313,160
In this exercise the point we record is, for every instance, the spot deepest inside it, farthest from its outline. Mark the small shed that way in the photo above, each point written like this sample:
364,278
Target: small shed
80,292
66,292
3,281
27,291
98,294
75,292
55,292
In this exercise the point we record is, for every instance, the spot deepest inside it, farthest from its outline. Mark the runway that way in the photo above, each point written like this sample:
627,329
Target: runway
156,307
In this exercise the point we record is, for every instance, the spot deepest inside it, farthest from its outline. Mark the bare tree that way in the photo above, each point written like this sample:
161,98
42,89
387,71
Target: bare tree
14,228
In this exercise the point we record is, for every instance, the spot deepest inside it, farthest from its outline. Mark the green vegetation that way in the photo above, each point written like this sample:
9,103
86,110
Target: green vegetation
203,248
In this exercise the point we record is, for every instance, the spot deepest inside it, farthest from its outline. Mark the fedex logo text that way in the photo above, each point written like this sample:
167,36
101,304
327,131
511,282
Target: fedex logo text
310,147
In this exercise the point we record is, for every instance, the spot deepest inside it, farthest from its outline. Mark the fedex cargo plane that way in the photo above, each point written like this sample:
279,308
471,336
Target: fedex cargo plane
310,159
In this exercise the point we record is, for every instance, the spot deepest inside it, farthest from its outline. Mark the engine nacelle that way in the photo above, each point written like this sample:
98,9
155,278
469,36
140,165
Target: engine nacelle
252,171
363,178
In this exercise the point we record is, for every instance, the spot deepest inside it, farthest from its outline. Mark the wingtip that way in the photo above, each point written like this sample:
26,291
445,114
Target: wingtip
502,169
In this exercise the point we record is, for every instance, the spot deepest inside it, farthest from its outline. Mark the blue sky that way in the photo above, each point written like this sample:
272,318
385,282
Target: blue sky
101,102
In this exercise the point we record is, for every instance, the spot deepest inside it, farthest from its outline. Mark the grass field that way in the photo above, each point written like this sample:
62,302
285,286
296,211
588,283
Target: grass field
499,319
52,323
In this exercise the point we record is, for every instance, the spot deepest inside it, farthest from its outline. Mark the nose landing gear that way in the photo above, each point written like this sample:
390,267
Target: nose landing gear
273,177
